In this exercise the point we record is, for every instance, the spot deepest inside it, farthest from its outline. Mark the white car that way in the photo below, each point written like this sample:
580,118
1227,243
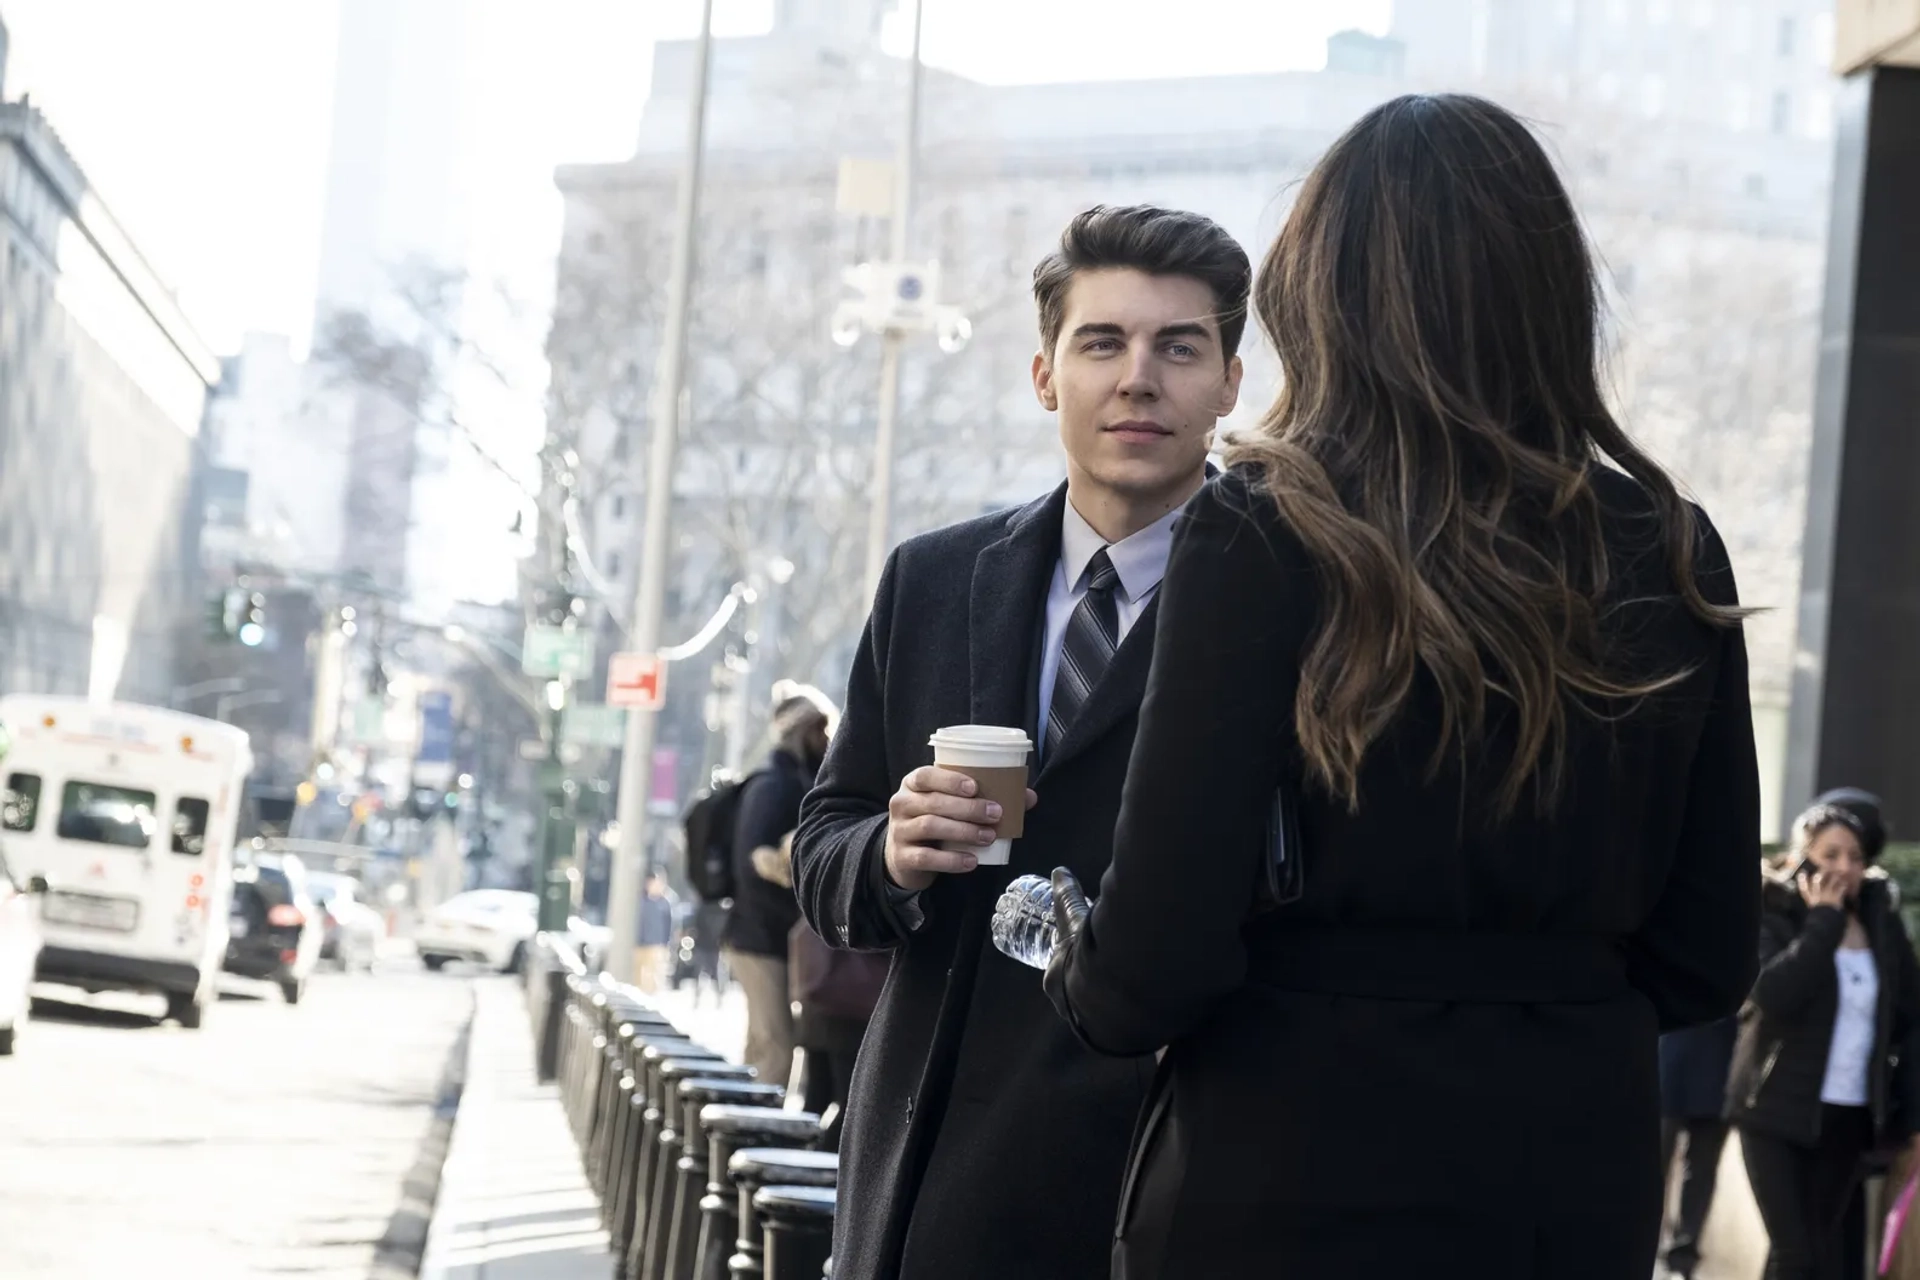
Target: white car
354,930
493,927
19,951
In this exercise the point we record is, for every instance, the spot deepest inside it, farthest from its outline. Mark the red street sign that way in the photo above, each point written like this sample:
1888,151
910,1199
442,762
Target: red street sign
636,681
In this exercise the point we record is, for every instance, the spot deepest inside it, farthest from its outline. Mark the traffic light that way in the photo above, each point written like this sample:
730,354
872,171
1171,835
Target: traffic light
252,631
238,614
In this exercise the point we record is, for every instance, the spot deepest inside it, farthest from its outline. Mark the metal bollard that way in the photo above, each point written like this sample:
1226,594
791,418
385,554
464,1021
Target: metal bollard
752,1169
797,1230
621,1059
730,1129
666,1157
631,1156
681,1226
638,1198
553,1024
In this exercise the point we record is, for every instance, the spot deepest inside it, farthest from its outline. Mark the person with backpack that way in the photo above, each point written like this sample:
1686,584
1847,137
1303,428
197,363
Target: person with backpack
765,808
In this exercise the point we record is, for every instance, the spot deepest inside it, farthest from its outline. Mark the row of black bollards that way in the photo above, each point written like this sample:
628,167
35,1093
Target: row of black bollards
703,1173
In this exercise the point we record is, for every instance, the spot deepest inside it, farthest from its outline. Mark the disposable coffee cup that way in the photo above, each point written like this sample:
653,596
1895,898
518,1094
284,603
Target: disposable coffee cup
996,759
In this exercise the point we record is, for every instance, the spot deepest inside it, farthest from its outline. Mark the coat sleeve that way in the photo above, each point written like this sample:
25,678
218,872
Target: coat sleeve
1163,945
839,868
1694,957
1796,966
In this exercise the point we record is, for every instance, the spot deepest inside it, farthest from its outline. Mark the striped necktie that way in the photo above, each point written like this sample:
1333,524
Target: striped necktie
1093,633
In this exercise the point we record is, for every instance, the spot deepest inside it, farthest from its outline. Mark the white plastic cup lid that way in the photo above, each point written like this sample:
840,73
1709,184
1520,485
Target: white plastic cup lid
990,736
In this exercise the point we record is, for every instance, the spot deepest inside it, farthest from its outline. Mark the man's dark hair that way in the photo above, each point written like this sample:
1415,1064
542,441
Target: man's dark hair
1160,242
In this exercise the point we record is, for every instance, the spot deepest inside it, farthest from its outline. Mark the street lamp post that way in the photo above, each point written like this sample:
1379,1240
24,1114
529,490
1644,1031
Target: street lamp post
636,764
880,513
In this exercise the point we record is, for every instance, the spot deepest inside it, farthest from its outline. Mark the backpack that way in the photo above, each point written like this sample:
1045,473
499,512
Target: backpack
708,825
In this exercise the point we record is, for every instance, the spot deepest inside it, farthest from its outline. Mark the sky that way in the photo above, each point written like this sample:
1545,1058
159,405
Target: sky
204,124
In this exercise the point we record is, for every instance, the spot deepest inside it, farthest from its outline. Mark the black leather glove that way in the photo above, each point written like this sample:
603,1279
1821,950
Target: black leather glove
1070,912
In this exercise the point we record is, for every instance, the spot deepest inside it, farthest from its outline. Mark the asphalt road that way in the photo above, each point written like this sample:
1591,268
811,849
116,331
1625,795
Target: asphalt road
274,1141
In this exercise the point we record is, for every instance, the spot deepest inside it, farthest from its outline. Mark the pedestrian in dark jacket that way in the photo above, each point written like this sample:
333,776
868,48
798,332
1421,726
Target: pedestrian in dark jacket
1693,1095
764,910
1813,1087
1505,687
982,1141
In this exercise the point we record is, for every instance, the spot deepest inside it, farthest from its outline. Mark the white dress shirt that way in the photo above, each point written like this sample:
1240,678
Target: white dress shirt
1140,560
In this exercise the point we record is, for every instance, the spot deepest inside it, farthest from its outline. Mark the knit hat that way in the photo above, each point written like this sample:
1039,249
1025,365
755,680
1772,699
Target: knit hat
1864,807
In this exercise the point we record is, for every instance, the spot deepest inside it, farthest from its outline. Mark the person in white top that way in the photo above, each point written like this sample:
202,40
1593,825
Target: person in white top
1815,1086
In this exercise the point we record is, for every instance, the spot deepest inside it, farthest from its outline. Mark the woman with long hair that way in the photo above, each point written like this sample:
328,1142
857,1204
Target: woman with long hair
1447,614
1814,1086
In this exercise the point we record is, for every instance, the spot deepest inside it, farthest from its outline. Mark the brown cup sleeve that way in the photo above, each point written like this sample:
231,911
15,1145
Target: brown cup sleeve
1007,788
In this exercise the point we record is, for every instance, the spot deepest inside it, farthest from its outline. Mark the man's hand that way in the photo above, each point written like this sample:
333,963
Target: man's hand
937,806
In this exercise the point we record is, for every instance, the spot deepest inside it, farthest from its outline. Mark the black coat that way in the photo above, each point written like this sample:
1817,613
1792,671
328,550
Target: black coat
1441,1060
765,912
1786,1028
982,1140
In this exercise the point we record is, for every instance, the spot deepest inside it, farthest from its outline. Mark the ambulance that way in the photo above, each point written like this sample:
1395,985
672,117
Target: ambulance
129,814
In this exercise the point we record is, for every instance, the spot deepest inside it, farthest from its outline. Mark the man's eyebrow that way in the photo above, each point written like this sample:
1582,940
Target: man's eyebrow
1099,331
1185,329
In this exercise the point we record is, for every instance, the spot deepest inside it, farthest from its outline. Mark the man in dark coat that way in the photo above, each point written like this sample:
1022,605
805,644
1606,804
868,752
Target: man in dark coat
982,1140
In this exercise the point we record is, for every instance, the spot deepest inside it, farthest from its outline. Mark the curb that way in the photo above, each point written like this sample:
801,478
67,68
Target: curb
415,1236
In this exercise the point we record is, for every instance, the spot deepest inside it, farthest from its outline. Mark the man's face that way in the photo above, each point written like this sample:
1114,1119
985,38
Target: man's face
1138,379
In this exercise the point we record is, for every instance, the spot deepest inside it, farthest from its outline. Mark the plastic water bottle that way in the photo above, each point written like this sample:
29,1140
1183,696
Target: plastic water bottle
1023,927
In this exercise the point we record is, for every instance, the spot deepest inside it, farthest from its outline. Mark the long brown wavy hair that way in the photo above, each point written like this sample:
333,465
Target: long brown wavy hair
1436,313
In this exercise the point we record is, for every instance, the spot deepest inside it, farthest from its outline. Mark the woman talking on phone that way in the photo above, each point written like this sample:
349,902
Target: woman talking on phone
1813,1086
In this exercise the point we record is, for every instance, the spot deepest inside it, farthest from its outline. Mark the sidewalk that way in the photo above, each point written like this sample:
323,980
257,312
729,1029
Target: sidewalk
514,1203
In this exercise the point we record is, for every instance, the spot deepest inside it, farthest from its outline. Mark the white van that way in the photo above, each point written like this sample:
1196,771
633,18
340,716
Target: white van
129,814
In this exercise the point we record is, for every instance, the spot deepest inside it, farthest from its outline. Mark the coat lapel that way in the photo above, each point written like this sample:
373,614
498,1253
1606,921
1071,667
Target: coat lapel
1117,695
1009,589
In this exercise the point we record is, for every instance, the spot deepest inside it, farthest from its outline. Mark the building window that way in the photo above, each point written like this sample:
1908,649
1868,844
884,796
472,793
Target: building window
1616,11
1653,96
1756,187
1821,46
1786,38
1782,112
1819,122
1703,13
1608,86
1658,11
1739,108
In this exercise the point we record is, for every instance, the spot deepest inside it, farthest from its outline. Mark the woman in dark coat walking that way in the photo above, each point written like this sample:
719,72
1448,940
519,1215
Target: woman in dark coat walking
1503,684
1814,1086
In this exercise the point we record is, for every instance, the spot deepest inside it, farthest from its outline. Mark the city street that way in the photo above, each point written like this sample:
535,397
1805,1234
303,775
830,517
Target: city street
274,1141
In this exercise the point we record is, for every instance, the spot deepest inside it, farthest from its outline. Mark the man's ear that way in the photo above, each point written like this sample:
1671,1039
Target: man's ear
1043,382
1230,388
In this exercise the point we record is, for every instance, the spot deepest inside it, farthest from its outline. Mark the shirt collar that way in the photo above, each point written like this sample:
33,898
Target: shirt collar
1140,559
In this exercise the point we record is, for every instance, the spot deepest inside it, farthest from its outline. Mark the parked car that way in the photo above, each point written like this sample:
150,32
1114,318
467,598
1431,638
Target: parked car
19,950
351,930
493,927
276,929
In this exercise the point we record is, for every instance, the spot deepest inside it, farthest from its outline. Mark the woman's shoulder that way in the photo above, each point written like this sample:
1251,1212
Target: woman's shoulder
1635,532
1237,502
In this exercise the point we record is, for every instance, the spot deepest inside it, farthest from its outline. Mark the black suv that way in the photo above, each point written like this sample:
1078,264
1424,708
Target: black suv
275,928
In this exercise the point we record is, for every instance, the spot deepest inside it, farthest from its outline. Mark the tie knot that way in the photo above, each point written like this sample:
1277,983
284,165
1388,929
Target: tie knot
1101,575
